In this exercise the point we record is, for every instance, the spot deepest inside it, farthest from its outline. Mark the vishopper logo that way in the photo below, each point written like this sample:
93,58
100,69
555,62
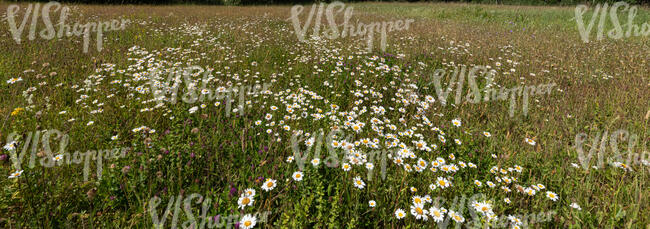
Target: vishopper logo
349,30
489,92
600,13
48,159
616,158
202,220
161,87
51,30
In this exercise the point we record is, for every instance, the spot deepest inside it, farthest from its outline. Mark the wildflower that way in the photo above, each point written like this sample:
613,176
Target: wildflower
552,196
529,191
483,207
372,203
530,141
443,182
359,183
114,137
456,122
14,80
249,192
456,217
315,162
514,220
58,157
419,212
399,213
297,176
576,206
193,109
245,200
507,200
16,174
290,159
247,221
487,134
269,184
436,214
417,200
432,187
17,111
10,146
346,167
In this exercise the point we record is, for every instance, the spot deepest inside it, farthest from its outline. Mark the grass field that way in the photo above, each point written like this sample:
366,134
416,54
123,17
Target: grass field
439,156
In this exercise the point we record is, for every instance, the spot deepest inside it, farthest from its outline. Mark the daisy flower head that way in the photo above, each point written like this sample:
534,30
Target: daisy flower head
290,159
456,122
529,191
456,217
346,167
417,200
58,157
358,182
399,213
297,176
247,221
419,212
10,146
443,182
483,207
372,203
14,80
427,199
114,137
507,200
487,134
249,192
530,141
269,184
514,220
433,186
552,196
315,162
436,214
245,200
16,174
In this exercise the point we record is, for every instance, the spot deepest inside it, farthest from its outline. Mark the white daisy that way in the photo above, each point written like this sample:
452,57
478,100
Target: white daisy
269,184
297,176
247,221
358,182
399,213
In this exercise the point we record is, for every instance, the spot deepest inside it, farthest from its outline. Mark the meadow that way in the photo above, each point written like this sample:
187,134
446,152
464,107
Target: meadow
324,133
